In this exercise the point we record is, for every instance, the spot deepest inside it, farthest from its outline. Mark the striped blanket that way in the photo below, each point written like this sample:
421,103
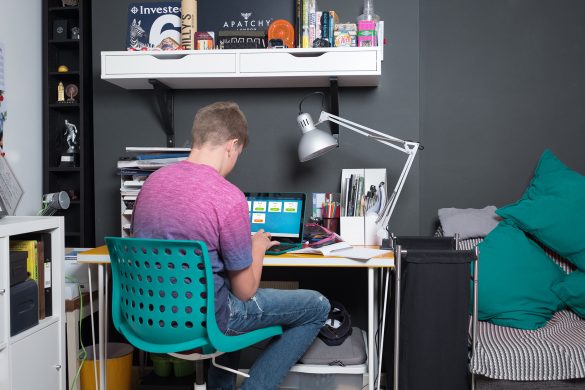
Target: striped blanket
553,352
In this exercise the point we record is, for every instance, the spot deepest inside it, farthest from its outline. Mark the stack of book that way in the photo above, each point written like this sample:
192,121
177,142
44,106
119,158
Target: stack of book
135,167
313,25
38,268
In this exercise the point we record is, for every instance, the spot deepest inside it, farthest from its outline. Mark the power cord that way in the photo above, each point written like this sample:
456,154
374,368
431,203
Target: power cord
82,353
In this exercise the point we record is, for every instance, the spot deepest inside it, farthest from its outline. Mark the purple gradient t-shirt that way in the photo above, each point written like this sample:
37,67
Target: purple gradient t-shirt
188,201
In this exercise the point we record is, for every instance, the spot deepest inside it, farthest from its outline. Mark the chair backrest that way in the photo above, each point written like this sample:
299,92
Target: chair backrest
162,293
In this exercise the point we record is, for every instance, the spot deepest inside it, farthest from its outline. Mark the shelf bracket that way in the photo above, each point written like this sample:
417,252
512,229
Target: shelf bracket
164,98
333,104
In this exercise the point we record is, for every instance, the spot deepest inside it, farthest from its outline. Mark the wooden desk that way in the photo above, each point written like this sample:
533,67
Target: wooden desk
101,257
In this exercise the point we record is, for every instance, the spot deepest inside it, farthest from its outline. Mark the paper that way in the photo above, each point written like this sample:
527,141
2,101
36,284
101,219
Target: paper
10,190
343,249
325,250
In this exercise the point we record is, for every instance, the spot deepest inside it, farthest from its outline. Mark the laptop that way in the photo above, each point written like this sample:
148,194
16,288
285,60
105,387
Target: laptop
281,214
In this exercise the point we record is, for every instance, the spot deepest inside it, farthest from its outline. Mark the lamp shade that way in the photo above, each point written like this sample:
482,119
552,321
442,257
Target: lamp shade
314,142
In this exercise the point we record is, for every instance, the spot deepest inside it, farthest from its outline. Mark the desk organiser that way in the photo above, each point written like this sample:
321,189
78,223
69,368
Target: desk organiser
360,230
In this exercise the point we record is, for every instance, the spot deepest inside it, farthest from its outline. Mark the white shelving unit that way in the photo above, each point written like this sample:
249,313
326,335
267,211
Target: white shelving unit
34,358
250,68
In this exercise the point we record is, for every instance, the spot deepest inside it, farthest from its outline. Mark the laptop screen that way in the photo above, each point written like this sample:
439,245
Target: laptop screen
279,213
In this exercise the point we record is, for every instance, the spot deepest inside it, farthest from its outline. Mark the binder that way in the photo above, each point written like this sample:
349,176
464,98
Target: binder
47,285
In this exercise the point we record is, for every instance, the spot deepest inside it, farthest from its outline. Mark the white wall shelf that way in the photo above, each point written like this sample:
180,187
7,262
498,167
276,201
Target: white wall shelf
250,68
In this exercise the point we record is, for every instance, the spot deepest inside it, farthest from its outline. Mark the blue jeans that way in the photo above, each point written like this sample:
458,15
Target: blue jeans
301,313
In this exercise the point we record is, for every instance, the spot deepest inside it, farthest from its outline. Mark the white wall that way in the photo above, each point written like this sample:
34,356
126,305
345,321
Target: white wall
21,34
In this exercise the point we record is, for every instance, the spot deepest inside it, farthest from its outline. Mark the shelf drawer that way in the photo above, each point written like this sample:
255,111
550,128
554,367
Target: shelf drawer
164,64
329,62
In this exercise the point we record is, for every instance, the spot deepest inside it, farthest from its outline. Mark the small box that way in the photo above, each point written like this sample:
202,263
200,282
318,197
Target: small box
18,272
306,381
24,306
60,29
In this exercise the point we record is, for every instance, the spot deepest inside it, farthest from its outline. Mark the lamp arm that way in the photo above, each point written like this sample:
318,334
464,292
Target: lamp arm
403,146
385,214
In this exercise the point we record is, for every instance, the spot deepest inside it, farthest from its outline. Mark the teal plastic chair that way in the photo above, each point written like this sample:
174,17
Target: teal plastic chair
163,299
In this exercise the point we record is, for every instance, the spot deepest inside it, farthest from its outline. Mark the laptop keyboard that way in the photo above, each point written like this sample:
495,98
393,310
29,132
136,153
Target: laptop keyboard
282,247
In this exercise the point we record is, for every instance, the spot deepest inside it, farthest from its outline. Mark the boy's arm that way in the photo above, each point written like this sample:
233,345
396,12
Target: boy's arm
245,282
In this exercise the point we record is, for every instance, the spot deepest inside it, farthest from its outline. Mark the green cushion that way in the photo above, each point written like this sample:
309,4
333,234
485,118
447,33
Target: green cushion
515,279
552,209
571,290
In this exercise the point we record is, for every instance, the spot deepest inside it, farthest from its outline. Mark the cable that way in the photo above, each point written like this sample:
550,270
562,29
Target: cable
311,94
82,353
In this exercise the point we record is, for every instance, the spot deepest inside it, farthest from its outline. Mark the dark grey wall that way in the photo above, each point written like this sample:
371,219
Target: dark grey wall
129,118
500,82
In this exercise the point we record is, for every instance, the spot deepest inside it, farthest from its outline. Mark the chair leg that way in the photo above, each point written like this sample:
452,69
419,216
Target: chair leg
199,373
228,369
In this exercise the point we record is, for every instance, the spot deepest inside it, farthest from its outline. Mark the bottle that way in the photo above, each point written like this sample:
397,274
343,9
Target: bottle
367,24
369,12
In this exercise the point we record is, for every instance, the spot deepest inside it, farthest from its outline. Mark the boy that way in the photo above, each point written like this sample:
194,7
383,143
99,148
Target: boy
192,200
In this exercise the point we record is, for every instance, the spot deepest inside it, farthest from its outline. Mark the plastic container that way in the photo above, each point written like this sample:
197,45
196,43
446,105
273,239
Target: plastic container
162,364
183,367
306,381
118,367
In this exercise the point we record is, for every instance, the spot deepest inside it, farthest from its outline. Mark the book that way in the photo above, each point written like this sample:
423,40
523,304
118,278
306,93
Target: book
47,285
343,249
41,278
150,23
30,247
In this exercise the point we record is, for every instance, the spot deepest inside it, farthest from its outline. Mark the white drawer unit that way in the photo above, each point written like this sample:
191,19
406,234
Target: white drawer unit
251,68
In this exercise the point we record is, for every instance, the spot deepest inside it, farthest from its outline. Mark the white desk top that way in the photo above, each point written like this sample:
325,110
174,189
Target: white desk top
100,255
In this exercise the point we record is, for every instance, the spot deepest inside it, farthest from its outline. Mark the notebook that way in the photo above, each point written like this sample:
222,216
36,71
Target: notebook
281,214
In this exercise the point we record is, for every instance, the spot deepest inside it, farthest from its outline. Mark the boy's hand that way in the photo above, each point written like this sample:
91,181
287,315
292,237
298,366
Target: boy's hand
262,239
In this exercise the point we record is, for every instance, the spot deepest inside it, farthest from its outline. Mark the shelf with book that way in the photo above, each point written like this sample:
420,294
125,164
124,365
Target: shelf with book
249,68
67,114
38,344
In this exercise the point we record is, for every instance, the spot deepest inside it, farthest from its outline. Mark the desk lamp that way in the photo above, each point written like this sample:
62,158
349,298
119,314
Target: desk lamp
54,202
315,142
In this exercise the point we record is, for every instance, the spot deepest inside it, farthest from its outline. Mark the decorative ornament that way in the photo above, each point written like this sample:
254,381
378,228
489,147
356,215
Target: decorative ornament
62,69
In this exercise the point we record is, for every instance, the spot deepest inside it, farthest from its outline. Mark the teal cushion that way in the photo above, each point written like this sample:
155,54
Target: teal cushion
571,290
515,279
552,209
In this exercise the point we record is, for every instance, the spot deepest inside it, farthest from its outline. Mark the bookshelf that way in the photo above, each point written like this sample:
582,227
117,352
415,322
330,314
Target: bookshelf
74,52
41,348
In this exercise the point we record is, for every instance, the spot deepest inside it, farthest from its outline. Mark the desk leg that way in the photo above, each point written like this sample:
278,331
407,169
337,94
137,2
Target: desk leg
371,334
102,311
72,319
379,375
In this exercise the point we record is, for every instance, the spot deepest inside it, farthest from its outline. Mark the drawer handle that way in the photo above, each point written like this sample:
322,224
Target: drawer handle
170,57
310,54
2,291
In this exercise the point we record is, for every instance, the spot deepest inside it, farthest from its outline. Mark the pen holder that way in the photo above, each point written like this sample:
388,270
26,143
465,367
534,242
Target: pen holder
331,224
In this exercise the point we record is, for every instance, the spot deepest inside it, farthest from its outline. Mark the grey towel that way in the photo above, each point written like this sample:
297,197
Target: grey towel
468,222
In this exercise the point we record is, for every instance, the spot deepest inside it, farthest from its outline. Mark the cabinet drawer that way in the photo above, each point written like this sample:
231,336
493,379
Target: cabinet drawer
38,354
174,64
310,62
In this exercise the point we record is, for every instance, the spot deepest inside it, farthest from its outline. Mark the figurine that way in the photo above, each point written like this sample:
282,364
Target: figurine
71,90
60,92
74,32
70,158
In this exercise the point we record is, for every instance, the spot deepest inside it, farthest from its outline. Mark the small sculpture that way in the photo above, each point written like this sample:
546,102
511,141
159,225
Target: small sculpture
71,90
70,158
70,3
75,32
60,92
62,69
